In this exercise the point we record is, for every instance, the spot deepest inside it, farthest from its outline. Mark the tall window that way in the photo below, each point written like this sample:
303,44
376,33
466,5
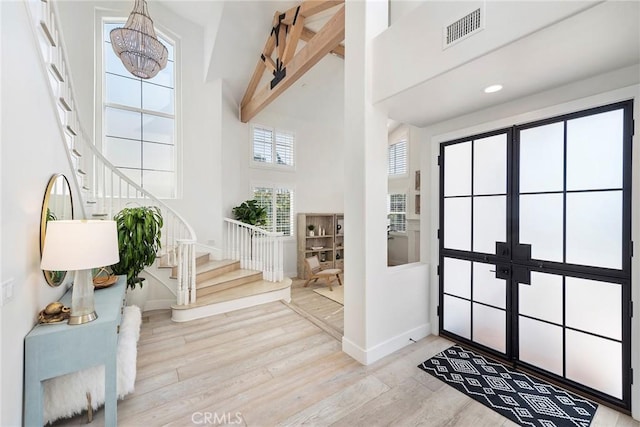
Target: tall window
139,122
398,212
273,146
279,204
398,158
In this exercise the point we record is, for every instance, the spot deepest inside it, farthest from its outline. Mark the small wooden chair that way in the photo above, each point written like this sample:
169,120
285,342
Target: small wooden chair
316,272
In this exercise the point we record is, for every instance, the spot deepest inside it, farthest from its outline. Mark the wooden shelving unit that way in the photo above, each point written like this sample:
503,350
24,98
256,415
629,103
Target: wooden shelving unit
327,242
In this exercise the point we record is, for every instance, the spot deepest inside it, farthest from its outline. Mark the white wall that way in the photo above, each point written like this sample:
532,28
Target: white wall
600,90
30,154
420,35
317,180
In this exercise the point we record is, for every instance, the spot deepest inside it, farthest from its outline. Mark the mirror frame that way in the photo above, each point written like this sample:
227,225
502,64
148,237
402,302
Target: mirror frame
49,275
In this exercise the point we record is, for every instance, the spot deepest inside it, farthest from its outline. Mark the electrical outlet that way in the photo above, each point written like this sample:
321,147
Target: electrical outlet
6,293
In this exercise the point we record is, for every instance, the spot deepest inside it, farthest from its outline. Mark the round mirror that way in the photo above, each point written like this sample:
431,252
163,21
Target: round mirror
57,205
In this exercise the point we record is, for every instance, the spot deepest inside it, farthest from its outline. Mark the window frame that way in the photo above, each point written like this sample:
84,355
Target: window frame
398,213
399,140
292,204
272,165
101,104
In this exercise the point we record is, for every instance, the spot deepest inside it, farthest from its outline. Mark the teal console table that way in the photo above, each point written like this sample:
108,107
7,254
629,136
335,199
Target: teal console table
54,350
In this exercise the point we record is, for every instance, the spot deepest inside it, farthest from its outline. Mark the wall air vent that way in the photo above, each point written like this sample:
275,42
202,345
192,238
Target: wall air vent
463,28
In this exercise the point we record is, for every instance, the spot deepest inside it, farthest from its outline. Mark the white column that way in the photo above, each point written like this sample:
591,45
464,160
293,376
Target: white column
365,180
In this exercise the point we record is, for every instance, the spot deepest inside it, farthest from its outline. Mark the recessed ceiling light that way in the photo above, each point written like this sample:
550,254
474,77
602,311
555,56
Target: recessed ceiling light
492,88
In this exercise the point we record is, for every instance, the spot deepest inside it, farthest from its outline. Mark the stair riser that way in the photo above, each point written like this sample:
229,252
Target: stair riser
207,275
163,261
227,285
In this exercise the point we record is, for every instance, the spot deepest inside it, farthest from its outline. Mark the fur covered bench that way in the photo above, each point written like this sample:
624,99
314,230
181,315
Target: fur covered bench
70,394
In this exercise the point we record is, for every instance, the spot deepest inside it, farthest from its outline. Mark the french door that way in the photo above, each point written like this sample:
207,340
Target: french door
535,247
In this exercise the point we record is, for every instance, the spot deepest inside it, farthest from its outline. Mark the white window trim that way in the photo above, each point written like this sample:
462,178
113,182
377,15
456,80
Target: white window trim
102,17
272,166
406,205
294,211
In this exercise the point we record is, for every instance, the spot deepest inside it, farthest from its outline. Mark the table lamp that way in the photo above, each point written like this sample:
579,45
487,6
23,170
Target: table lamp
80,245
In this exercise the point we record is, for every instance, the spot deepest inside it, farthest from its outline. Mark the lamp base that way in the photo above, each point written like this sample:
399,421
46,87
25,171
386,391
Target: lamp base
84,318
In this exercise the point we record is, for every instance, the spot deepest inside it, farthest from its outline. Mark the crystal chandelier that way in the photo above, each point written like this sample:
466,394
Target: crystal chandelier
137,46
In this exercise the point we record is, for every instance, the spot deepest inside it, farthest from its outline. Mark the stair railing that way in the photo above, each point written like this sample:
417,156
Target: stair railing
102,188
255,248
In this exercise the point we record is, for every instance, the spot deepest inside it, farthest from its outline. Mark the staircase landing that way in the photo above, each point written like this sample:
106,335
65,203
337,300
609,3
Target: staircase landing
235,298
222,286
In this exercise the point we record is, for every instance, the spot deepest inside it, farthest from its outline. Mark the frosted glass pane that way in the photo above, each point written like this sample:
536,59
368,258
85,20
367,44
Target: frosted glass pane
490,165
594,143
489,327
157,98
160,184
457,223
457,169
457,316
123,152
489,223
542,158
595,362
486,288
122,123
158,129
159,156
457,277
122,90
594,229
541,225
594,306
541,344
543,298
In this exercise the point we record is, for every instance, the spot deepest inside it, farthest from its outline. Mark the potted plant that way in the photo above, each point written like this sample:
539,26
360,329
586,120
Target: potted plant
311,227
250,212
139,233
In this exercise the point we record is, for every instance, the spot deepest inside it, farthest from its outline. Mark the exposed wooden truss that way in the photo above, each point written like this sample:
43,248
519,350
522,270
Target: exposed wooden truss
287,30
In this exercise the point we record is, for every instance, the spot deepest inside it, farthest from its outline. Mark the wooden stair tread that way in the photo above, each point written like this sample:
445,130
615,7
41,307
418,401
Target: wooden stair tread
201,258
228,277
241,291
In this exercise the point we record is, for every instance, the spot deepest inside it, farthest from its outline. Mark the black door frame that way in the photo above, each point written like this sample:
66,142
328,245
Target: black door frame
514,260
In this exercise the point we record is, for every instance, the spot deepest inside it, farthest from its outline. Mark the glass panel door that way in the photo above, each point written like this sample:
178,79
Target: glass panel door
535,237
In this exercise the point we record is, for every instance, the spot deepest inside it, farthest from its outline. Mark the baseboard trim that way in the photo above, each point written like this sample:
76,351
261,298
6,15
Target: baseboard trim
385,348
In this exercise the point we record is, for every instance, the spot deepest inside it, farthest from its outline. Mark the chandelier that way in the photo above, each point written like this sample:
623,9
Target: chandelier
136,44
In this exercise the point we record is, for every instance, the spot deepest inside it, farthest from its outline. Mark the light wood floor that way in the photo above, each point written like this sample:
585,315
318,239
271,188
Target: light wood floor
271,366
324,312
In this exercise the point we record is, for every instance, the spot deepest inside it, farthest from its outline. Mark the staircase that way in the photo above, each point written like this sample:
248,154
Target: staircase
223,286
253,273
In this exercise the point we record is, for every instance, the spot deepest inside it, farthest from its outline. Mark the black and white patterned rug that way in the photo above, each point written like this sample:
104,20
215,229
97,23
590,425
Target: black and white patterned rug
523,399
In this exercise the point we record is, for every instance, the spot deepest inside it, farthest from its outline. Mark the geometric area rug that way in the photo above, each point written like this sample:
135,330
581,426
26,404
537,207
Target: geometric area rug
523,399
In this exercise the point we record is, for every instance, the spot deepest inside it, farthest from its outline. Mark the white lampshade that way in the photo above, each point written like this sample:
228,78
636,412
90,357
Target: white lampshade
79,245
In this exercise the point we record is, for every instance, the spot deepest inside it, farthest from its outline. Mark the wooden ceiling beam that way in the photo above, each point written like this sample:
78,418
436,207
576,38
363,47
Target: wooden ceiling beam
260,66
331,34
292,40
309,8
307,35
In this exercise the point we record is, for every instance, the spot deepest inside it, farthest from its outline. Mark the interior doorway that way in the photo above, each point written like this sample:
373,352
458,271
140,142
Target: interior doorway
535,247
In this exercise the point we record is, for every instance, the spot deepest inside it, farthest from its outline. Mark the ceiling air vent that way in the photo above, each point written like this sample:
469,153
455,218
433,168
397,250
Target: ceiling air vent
463,28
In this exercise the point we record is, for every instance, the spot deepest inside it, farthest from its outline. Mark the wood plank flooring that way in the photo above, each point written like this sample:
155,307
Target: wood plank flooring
268,366
327,311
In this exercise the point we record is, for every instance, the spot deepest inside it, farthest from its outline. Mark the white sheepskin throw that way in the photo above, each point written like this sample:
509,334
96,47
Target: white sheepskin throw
66,395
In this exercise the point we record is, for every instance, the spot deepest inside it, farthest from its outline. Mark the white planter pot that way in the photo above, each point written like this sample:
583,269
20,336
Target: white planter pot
139,295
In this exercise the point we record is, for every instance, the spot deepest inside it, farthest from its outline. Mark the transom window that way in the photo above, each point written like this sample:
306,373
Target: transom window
139,121
398,158
279,204
273,146
397,212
